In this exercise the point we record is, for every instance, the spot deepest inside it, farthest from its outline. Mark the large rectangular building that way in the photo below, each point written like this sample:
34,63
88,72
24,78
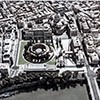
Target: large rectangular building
37,35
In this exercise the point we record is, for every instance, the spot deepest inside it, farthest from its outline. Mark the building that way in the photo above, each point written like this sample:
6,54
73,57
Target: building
42,35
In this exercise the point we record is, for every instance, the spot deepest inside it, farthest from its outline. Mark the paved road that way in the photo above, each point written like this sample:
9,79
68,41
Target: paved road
90,75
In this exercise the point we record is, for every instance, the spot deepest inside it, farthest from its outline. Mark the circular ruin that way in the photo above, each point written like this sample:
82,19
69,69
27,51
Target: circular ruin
38,53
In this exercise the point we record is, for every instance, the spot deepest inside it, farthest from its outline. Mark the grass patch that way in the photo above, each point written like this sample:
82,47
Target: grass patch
51,62
20,59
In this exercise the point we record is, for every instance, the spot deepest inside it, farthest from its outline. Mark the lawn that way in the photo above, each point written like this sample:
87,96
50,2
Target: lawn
51,62
20,58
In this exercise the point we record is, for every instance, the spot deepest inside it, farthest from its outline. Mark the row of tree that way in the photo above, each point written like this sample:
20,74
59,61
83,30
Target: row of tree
42,79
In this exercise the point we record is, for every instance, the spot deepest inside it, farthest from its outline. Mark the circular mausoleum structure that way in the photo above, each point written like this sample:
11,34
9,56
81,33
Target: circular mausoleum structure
38,53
